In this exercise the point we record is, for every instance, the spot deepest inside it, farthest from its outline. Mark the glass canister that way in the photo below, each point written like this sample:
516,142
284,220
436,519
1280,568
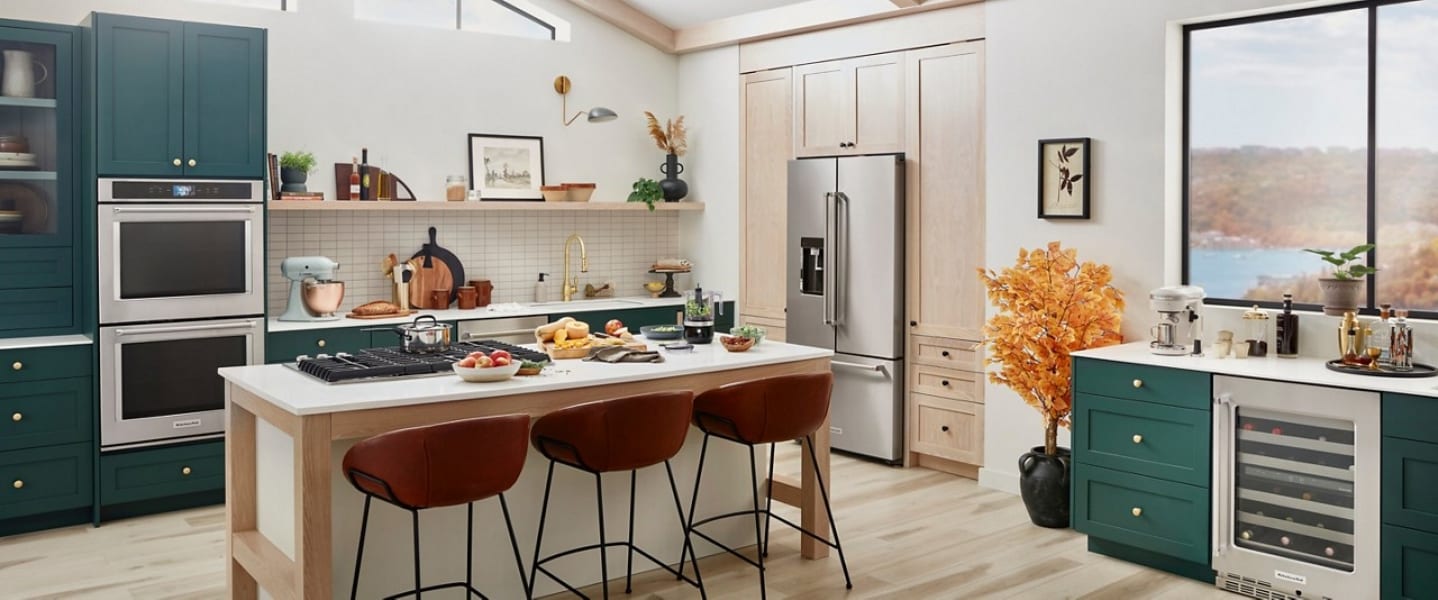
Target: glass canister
1255,330
699,313
455,187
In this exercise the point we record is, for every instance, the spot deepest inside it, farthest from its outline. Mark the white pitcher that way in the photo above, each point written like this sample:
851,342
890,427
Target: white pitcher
19,74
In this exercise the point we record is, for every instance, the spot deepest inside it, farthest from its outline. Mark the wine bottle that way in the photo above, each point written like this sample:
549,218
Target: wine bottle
354,178
365,192
1287,331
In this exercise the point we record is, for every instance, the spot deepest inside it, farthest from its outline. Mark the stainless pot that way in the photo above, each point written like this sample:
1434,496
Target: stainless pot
420,337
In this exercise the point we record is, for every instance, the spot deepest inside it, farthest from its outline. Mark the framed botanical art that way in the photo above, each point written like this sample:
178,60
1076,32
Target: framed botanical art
506,167
1064,178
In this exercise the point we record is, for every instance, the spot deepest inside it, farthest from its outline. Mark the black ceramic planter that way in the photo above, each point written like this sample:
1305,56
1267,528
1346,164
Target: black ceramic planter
674,188
293,179
1044,484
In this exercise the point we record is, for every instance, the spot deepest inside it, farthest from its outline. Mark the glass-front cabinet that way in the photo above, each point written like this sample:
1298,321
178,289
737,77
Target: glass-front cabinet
37,166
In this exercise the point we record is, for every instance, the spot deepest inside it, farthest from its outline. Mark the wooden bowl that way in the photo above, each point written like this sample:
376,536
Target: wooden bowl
735,343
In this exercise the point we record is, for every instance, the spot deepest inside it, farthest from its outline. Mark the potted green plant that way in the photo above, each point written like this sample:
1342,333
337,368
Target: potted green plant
295,170
646,191
1341,292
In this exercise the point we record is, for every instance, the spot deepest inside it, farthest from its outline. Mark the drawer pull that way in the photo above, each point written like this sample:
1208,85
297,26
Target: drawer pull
1137,383
185,471
944,429
945,353
320,343
175,162
1137,439
1137,512
944,383
17,366
18,484
913,323
17,417
193,163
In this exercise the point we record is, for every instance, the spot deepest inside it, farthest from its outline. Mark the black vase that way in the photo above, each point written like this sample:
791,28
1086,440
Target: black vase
673,187
293,179
1044,484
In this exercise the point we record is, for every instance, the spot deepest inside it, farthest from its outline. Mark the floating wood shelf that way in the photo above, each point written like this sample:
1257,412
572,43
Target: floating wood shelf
351,205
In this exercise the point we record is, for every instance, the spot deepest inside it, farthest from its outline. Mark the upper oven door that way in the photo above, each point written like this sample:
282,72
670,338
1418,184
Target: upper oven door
180,261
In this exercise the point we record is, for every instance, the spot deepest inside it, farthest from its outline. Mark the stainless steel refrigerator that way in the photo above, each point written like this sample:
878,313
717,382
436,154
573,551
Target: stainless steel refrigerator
846,291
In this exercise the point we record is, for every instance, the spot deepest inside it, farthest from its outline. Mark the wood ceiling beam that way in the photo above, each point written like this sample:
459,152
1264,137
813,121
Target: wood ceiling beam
632,20
802,17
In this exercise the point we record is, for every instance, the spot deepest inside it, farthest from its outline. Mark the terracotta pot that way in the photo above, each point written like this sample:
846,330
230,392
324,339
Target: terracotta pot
468,297
1044,485
439,299
1341,295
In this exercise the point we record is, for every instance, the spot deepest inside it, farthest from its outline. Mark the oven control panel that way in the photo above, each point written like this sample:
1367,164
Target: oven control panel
154,190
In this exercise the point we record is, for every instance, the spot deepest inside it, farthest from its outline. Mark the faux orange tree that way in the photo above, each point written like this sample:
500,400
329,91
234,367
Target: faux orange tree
1049,305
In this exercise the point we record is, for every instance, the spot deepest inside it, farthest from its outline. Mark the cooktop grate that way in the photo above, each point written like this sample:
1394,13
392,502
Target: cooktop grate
395,363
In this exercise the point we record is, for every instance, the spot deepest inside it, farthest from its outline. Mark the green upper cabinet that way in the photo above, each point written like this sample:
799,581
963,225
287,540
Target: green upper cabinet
38,174
177,98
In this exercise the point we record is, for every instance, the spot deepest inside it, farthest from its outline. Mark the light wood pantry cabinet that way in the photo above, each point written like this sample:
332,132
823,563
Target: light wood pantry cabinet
944,141
765,128
850,106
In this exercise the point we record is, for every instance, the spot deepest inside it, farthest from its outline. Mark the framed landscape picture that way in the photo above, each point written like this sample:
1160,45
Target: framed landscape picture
506,167
1063,178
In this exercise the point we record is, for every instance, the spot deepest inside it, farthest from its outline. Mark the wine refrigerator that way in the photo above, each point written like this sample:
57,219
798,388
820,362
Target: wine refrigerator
1295,490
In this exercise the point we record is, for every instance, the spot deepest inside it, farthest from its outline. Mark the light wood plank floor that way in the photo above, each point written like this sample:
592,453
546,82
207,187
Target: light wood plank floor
909,534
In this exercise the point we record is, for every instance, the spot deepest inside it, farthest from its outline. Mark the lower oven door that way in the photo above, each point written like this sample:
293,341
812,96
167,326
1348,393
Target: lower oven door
159,383
180,261
1295,489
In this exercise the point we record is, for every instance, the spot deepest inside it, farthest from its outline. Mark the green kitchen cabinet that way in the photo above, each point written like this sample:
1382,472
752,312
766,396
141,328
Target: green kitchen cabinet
1410,483
49,362
150,473
36,311
1410,564
36,268
281,347
1143,512
1410,417
1143,437
46,413
634,318
1177,387
43,480
178,99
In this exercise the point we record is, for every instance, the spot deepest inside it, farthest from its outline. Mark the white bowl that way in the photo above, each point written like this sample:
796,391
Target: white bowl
488,374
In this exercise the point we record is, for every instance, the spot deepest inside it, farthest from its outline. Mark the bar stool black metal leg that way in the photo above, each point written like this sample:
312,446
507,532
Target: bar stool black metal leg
414,514
768,500
629,567
469,550
824,493
693,503
539,537
688,546
603,555
758,538
513,543
359,554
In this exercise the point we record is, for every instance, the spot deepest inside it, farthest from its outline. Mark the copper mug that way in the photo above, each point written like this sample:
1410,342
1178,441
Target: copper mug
468,297
484,288
439,299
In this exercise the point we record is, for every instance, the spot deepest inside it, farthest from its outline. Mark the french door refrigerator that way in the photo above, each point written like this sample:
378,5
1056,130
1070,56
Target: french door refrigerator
846,292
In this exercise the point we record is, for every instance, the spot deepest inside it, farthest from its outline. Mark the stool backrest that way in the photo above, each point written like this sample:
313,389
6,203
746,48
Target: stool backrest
616,435
441,465
768,410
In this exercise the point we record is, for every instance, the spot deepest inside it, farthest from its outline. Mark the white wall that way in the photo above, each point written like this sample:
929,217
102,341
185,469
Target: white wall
411,94
1098,68
709,100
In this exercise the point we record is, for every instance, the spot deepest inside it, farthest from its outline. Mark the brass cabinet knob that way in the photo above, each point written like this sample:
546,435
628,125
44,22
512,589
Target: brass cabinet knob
185,471
1137,512
192,162
17,366
1138,383
1137,439
320,343
176,162
17,417
18,484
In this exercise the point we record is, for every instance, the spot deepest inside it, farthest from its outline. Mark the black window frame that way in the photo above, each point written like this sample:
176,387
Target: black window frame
459,17
1372,8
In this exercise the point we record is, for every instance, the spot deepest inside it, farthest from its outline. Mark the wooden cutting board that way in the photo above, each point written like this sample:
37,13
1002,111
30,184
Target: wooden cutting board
404,313
426,280
572,353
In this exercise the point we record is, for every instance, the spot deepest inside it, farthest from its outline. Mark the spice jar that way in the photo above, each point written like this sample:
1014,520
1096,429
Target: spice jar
455,187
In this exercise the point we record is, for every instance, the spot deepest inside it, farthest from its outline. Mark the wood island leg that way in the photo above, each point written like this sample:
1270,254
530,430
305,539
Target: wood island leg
813,516
312,508
239,496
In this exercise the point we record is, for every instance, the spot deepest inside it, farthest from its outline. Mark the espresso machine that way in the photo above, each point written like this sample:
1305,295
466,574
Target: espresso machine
315,295
1179,311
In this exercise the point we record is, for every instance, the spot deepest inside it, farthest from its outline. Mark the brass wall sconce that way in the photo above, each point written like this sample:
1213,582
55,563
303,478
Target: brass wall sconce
598,114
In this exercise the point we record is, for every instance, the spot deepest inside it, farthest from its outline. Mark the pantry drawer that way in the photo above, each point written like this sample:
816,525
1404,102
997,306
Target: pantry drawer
49,362
951,429
1142,437
284,347
45,413
161,472
948,383
964,355
42,480
1177,387
1410,563
1410,484
1410,417
1161,516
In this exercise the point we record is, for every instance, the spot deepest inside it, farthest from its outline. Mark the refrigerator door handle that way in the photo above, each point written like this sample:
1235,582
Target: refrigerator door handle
840,273
874,368
829,274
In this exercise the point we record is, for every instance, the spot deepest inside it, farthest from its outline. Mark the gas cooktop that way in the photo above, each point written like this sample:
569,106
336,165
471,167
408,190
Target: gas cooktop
377,364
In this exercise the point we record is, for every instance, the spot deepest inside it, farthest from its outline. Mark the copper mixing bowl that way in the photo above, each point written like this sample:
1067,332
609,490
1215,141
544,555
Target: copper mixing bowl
323,298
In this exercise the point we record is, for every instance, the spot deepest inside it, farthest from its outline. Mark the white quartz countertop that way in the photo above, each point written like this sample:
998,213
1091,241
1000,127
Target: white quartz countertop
44,341
301,394
1304,369
525,309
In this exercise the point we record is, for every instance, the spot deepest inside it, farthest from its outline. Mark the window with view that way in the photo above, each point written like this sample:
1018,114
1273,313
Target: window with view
1313,129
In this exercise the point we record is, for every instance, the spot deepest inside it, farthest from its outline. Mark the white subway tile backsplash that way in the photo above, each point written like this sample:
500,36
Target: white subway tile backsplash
509,249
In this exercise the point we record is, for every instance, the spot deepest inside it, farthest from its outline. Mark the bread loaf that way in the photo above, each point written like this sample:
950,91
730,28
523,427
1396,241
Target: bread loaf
378,307
577,330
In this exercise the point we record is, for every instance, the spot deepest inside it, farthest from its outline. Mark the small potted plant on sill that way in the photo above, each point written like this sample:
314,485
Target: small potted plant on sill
1341,292
646,191
295,170
1049,306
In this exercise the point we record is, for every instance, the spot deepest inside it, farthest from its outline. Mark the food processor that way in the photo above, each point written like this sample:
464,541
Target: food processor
699,312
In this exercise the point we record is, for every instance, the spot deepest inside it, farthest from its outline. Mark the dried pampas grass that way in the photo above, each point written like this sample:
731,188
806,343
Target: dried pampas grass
672,138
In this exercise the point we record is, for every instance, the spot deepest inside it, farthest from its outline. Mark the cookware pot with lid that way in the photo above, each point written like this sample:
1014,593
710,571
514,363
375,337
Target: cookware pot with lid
421,337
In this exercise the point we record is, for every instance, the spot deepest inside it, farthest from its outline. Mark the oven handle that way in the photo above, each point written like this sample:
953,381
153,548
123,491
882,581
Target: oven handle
177,209
182,328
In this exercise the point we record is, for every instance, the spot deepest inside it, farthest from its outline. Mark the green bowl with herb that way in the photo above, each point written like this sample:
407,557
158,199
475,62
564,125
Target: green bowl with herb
749,331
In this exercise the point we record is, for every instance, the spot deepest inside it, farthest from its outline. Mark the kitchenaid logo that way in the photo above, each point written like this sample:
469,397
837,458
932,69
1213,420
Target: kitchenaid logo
185,424
1290,577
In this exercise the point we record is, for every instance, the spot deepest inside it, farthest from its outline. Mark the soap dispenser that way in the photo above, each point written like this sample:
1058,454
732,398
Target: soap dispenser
541,289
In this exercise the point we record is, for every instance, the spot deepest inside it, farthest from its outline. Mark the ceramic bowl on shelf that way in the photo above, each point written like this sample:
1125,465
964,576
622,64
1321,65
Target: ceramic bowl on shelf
14,144
554,193
487,374
580,192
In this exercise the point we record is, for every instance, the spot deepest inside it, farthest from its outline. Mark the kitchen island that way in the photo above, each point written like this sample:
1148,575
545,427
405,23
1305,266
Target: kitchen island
292,520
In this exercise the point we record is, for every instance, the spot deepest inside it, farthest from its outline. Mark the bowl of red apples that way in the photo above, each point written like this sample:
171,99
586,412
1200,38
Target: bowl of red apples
479,367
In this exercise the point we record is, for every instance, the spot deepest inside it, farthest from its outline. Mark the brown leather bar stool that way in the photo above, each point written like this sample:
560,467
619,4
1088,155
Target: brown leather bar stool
765,411
626,434
449,464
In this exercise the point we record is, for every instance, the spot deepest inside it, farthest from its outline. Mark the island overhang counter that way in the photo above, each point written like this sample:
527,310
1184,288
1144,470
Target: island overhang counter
292,521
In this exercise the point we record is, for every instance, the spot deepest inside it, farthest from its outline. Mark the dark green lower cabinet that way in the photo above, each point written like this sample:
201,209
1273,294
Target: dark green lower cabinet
45,480
161,472
45,413
36,310
1410,564
635,318
1146,438
285,346
1410,484
1151,514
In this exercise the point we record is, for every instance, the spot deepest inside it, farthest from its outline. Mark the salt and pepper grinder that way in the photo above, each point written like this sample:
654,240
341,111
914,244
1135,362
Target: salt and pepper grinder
1286,333
1401,347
